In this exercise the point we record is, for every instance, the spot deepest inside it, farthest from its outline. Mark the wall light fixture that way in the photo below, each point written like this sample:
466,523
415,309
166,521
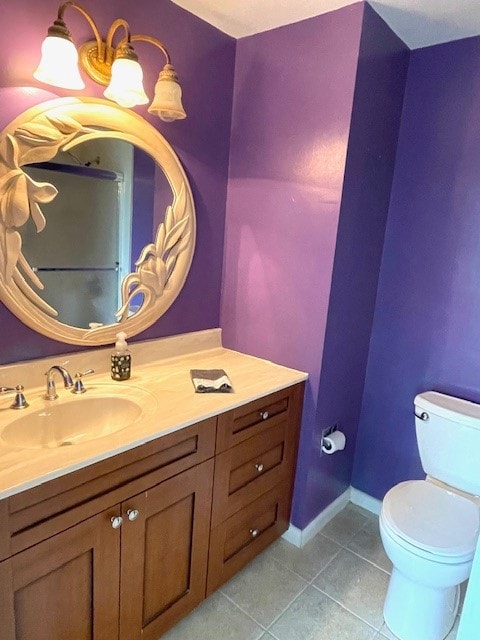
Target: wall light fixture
115,67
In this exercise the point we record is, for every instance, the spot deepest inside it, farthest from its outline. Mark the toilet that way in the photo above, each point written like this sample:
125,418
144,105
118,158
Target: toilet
429,528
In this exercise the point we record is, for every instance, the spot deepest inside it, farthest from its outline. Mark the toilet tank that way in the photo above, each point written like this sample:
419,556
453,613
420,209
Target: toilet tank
448,437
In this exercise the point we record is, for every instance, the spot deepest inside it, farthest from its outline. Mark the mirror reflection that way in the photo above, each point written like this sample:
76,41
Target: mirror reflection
48,256
111,198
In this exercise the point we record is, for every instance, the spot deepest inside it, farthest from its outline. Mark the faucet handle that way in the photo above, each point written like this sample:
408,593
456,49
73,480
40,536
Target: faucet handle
78,384
20,401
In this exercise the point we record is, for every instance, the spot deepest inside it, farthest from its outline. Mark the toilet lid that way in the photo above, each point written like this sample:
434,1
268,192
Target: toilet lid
432,518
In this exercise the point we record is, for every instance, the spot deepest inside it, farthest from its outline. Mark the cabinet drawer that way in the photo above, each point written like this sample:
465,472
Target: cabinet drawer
52,507
251,419
252,468
236,541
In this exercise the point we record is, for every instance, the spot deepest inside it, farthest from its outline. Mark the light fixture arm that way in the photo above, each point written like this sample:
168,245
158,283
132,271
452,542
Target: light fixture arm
109,48
146,38
61,10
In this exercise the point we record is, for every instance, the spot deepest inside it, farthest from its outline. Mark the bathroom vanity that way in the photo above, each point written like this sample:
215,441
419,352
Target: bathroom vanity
121,536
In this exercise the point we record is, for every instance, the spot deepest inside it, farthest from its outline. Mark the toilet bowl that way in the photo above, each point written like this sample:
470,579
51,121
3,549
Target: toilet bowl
429,532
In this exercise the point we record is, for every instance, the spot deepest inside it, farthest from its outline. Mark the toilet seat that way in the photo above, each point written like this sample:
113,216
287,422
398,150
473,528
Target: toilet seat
424,554
432,520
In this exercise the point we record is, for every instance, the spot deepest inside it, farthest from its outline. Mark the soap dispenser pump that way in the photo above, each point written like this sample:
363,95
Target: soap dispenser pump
121,358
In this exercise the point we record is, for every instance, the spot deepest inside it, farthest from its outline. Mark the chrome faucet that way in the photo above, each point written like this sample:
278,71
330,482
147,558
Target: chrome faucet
19,402
51,393
78,386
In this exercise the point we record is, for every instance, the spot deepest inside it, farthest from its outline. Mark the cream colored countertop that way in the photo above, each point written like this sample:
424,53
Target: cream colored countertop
174,406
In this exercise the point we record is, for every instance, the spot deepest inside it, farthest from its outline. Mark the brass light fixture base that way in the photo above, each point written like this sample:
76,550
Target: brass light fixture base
99,70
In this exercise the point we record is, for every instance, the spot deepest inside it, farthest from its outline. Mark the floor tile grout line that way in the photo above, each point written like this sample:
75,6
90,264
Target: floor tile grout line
264,628
360,619
268,627
311,583
355,553
287,607
359,555
309,580
349,610
327,565
299,575
332,539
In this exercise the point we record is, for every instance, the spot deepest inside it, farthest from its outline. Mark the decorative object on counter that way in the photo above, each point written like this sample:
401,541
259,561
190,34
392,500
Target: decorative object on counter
210,381
121,358
107,64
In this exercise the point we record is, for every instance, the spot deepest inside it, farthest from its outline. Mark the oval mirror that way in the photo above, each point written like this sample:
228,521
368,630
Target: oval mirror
97,221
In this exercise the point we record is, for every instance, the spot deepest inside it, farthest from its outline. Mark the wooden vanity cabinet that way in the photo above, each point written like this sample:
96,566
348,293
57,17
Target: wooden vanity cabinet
190,520
94,580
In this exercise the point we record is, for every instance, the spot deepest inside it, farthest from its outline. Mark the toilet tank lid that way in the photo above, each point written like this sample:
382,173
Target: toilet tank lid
456,409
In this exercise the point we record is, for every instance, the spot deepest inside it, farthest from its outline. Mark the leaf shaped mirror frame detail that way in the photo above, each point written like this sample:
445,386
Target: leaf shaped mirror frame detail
162,268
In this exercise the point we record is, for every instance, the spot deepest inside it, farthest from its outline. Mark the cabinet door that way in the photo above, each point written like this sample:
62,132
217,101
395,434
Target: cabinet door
64,587
164,553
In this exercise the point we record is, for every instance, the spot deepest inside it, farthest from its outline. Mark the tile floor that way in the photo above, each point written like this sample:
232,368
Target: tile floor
332,589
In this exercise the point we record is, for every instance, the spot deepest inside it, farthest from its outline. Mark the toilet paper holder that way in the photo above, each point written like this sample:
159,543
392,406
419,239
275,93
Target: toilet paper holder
333,440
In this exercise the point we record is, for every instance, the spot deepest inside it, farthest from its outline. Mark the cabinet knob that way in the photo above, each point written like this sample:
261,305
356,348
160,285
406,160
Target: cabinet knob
254,533
116,521
264,415
259,467
132,514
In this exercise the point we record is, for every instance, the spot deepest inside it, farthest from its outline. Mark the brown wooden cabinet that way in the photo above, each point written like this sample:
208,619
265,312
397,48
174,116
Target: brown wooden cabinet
254,471
65,586
190,519
164,553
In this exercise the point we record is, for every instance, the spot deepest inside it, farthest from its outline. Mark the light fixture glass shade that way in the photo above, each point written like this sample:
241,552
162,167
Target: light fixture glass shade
167,103
59,64
126,83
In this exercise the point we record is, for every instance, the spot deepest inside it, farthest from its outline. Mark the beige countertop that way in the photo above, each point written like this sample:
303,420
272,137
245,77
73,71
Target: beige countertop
172,404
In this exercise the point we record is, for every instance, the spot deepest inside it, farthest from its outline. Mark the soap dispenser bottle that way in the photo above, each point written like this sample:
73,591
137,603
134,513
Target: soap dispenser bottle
121,358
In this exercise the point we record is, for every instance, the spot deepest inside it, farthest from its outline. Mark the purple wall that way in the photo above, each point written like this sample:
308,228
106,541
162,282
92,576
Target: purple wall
377,108
293,100
426,329
204,59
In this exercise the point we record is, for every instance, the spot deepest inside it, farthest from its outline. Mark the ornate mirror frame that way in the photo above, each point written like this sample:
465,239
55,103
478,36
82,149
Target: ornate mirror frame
162,268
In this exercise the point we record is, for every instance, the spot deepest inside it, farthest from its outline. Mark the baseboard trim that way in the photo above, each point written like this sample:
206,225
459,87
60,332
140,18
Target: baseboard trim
300,537
362,499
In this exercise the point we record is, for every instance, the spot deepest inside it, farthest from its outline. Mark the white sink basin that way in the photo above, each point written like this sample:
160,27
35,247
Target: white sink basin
72,419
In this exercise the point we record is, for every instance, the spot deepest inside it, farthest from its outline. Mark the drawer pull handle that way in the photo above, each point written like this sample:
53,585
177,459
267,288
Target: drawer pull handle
132,514
116,521
259,467
264,415
254,533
